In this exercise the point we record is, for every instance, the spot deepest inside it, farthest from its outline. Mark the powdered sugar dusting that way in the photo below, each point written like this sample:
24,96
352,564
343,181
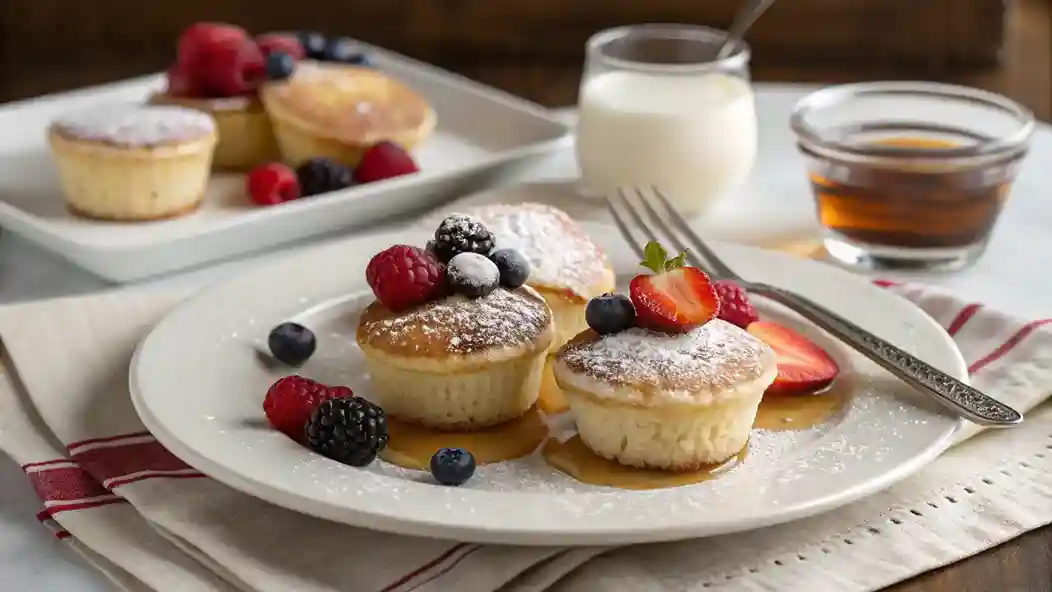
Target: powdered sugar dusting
459,325
712,357
561,255
135,126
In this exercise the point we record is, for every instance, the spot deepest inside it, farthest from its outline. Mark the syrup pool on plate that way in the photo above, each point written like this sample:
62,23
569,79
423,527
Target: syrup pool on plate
411,446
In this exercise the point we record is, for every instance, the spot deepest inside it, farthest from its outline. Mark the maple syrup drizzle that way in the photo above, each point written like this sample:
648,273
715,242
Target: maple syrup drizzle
551,399
412,446
776,413
578,461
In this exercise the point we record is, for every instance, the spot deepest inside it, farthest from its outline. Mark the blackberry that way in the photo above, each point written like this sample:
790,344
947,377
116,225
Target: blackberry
322,175
350,430
460,233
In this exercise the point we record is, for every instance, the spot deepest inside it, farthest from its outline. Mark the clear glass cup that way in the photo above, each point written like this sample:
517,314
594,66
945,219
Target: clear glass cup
657,108
910,175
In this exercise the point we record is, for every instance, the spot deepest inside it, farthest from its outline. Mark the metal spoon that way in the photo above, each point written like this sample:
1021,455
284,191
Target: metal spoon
742,21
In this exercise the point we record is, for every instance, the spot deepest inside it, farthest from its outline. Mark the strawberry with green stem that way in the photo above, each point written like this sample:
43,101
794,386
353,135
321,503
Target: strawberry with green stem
675,298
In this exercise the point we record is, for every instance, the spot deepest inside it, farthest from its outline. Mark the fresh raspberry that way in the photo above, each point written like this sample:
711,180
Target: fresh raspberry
402,277
232,67
198,40
291,400
273,42
272,184
183,84
383,161
735,307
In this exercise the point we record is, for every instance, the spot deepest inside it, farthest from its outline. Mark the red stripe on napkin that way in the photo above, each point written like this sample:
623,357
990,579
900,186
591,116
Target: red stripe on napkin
430,564
81,443
1003,349
64,483
962,318
448,568
119,462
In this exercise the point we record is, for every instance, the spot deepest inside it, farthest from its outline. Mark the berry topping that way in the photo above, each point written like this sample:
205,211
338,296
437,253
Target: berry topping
313,44
276,42
803,367
350,430
402,277
183,84
291,400
472,275
322,175
291,343
460,233
232,67
675,298
735,307
452,466
198,41
610,313
279,65
513,265
272,184
384,160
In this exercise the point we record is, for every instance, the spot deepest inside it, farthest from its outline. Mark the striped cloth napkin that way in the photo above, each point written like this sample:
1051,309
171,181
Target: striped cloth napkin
150,522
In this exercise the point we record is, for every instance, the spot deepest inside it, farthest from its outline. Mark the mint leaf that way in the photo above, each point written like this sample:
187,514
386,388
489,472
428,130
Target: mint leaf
655,256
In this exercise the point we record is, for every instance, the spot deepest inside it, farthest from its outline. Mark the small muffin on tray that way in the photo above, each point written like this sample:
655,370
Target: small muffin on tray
658,382
133,162
453,346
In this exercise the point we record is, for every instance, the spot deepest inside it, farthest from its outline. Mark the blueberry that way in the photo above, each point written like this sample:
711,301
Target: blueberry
452,466
472,275
291,343
280,65
610,313
313,43
513,266
344,51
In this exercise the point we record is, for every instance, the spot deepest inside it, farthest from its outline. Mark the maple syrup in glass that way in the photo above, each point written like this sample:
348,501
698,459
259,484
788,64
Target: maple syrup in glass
910,176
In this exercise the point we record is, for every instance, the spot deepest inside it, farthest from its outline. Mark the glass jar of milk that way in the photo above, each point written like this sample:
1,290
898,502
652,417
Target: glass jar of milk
657,108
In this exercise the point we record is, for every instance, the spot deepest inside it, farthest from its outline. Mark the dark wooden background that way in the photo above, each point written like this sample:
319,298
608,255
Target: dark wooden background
534,48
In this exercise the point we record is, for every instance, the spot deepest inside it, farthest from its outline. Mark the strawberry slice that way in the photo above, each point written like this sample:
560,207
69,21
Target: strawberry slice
675,298
803,367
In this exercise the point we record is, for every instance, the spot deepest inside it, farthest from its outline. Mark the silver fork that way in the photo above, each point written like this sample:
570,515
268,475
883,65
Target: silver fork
631,204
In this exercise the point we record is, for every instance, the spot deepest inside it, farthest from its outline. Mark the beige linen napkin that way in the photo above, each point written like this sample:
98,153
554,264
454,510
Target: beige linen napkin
151,522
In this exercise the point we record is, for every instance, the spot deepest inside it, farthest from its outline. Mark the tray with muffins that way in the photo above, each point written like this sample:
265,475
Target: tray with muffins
250,142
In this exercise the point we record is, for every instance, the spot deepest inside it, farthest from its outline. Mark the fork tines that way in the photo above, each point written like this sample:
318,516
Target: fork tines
643,214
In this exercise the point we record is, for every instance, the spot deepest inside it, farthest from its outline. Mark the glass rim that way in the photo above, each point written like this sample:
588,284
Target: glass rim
738,58
1014,141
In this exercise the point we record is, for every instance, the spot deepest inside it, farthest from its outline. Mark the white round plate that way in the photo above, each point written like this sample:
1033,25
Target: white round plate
198,383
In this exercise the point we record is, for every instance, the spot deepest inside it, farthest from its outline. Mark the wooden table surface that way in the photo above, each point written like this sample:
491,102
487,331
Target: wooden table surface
1024,564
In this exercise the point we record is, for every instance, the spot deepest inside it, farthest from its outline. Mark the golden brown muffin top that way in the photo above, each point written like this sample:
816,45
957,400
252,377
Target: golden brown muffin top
505,319
688,367
353,104
562,256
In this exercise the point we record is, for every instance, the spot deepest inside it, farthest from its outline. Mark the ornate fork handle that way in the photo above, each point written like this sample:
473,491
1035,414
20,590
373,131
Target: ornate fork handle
947,390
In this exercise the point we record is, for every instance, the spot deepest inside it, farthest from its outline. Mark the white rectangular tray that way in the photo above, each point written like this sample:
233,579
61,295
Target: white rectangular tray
483,136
